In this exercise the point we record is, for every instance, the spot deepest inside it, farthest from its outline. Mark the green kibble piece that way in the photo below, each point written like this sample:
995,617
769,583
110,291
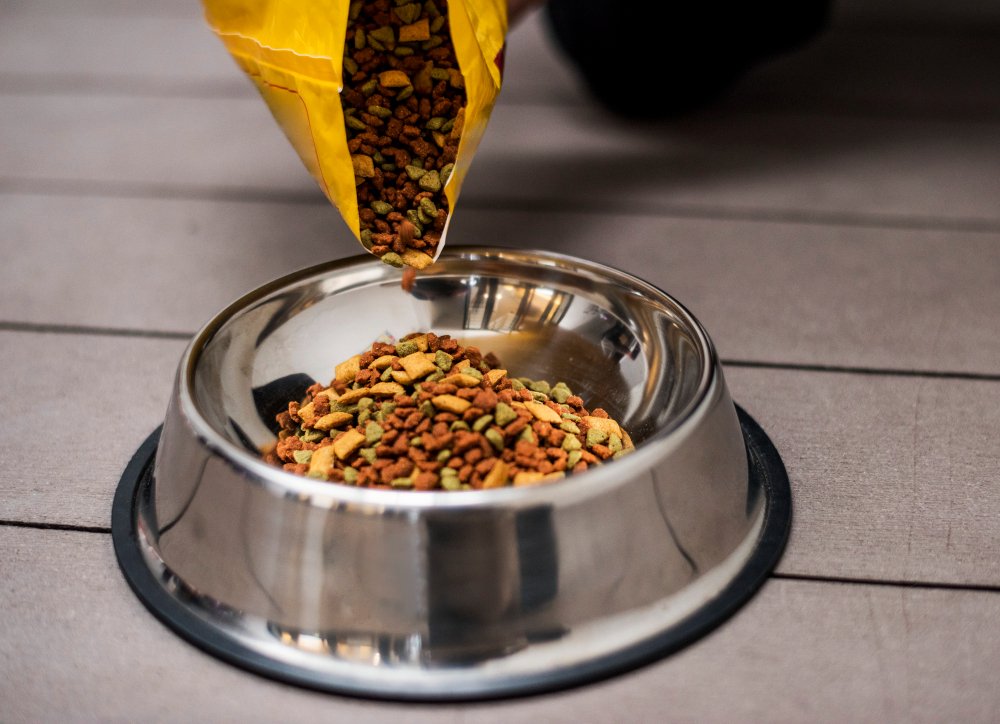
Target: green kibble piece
388,167
434,124
527,434
446,171
355,123
571,442
423,218
402,51
573,458
350,66
437,23
402,483
375,44
407,347
482,422
569,426
368,453
571,416
302,456
359,39
414,172
369,87
516,385
311,435
446,128
434,376
381,112
350,475
539,396
388,407
405,93
418,162
431,9
416,441
451,482
540,386
384,35
377,157
408,13
381,207
392,259
365,402
504,414
439,73
434,42
495,437
430,181
364,416
317,475
595,437
412,215
427,409
560,393
614,443
472,372
385,377
442,360
354,10
621,453
428,207
366,238
458,425
443,455
373,433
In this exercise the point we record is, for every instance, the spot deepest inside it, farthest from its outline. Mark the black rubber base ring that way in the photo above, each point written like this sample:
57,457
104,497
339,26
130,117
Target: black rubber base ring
765,466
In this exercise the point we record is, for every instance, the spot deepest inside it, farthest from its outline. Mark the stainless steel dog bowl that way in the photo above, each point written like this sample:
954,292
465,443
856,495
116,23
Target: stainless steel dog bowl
440,595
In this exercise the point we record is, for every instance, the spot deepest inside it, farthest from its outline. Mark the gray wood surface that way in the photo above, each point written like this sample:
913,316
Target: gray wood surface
844,168
885,487
860,653
833,222
854,296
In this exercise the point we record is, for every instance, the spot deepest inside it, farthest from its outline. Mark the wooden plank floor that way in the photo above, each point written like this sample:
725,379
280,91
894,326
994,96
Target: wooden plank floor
834,222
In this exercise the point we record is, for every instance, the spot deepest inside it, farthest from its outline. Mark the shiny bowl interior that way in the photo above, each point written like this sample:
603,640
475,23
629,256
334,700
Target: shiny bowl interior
442,595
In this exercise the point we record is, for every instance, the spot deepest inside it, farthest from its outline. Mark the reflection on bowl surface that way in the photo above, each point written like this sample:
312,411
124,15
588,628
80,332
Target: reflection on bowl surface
452,594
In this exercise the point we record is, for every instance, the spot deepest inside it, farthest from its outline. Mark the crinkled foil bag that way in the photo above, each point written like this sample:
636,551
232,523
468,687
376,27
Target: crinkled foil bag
293,50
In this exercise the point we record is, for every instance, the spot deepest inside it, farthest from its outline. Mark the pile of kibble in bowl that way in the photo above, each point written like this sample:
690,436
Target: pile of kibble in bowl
426,413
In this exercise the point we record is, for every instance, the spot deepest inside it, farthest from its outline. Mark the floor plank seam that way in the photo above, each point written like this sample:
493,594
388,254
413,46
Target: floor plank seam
159,192
805,578
893,583
870,371
76,329
56,526
34,328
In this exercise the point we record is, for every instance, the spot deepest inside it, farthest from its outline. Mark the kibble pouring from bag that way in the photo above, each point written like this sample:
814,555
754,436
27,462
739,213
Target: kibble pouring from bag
384,100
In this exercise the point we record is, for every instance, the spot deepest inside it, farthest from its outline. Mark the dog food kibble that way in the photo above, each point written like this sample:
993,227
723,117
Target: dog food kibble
404,107
428,414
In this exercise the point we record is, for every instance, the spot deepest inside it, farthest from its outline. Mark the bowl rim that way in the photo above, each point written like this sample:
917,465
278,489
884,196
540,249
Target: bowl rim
324,494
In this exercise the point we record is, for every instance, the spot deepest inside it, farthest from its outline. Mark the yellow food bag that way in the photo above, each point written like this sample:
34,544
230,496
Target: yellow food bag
293,50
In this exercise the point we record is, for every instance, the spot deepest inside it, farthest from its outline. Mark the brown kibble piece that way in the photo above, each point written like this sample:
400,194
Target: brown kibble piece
393,79
419,30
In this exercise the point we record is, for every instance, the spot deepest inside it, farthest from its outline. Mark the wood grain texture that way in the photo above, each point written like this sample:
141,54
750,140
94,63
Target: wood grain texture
76,640
719,163
98,397
775,292
893,477
172,51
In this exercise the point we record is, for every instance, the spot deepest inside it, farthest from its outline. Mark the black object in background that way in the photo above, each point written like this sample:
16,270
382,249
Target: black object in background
660,59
